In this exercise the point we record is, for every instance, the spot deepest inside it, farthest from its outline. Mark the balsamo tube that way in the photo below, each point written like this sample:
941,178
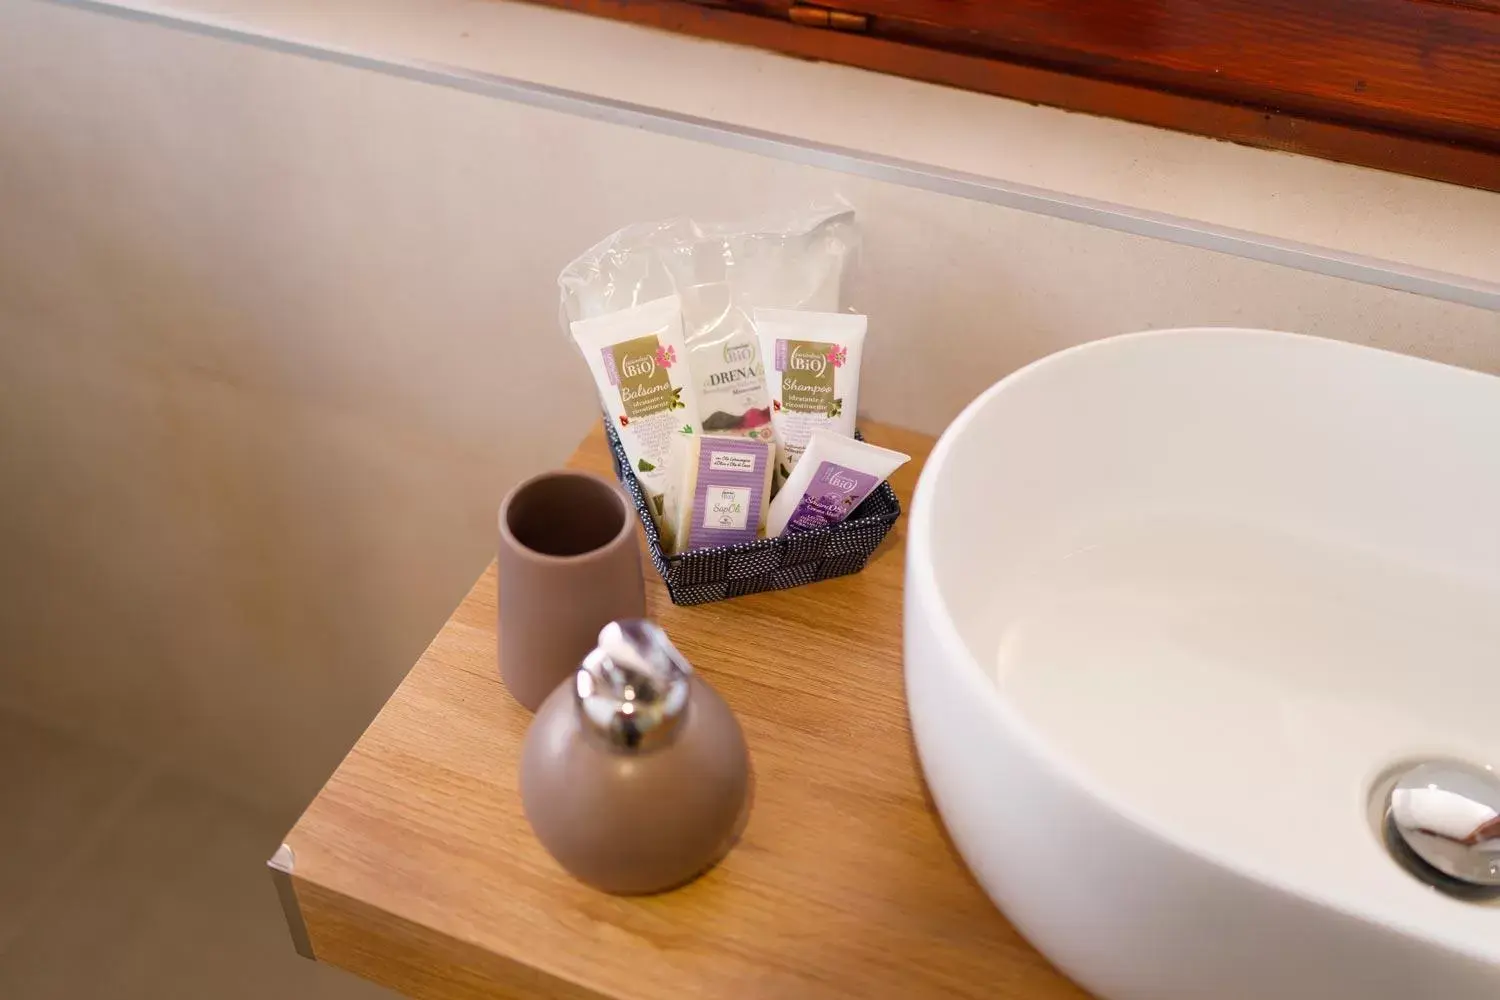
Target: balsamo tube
639,363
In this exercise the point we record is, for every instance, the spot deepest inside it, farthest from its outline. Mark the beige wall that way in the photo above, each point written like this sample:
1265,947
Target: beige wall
275,335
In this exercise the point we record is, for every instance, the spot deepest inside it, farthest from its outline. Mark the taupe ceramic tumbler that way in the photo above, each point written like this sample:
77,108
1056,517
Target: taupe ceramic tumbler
568,565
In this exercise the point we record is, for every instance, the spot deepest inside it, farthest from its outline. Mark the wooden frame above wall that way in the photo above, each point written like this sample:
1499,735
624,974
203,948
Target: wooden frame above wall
1411,86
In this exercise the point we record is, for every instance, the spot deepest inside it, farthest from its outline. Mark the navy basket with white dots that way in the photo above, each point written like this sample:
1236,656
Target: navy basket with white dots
726,571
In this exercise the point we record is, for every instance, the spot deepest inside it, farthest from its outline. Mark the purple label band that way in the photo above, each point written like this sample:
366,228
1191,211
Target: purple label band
831,496
609,365
731,483
781,355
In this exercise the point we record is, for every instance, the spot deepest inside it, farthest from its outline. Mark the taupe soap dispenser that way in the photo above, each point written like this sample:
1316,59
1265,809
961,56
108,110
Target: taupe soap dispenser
635,775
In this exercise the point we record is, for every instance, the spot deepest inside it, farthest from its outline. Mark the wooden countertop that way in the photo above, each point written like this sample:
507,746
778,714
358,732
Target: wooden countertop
415,867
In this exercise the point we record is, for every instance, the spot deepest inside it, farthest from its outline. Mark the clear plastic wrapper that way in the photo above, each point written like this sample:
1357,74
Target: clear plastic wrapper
721,274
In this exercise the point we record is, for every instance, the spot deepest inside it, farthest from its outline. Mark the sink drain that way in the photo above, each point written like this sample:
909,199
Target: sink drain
1440,820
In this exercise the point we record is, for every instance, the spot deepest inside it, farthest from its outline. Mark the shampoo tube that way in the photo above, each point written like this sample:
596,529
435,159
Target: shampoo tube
639,362
811,362
836,473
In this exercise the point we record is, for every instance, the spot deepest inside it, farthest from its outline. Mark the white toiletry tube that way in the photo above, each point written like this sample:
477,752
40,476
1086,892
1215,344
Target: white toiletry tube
811,364
639,363
835,475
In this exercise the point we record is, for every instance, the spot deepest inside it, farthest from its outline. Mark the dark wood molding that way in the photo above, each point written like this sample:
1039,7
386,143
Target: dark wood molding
1406,85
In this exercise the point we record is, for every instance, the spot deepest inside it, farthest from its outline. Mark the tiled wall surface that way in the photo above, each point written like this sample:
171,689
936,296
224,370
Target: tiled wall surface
122,882
277,335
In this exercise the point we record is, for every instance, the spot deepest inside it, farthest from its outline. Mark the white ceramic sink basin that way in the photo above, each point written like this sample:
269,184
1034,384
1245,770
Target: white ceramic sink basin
1176,603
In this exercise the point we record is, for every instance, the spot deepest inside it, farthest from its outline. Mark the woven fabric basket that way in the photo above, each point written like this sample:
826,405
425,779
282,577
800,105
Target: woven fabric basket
717,574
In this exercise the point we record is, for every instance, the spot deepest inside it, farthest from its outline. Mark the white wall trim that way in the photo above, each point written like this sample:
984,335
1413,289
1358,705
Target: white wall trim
1023,197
